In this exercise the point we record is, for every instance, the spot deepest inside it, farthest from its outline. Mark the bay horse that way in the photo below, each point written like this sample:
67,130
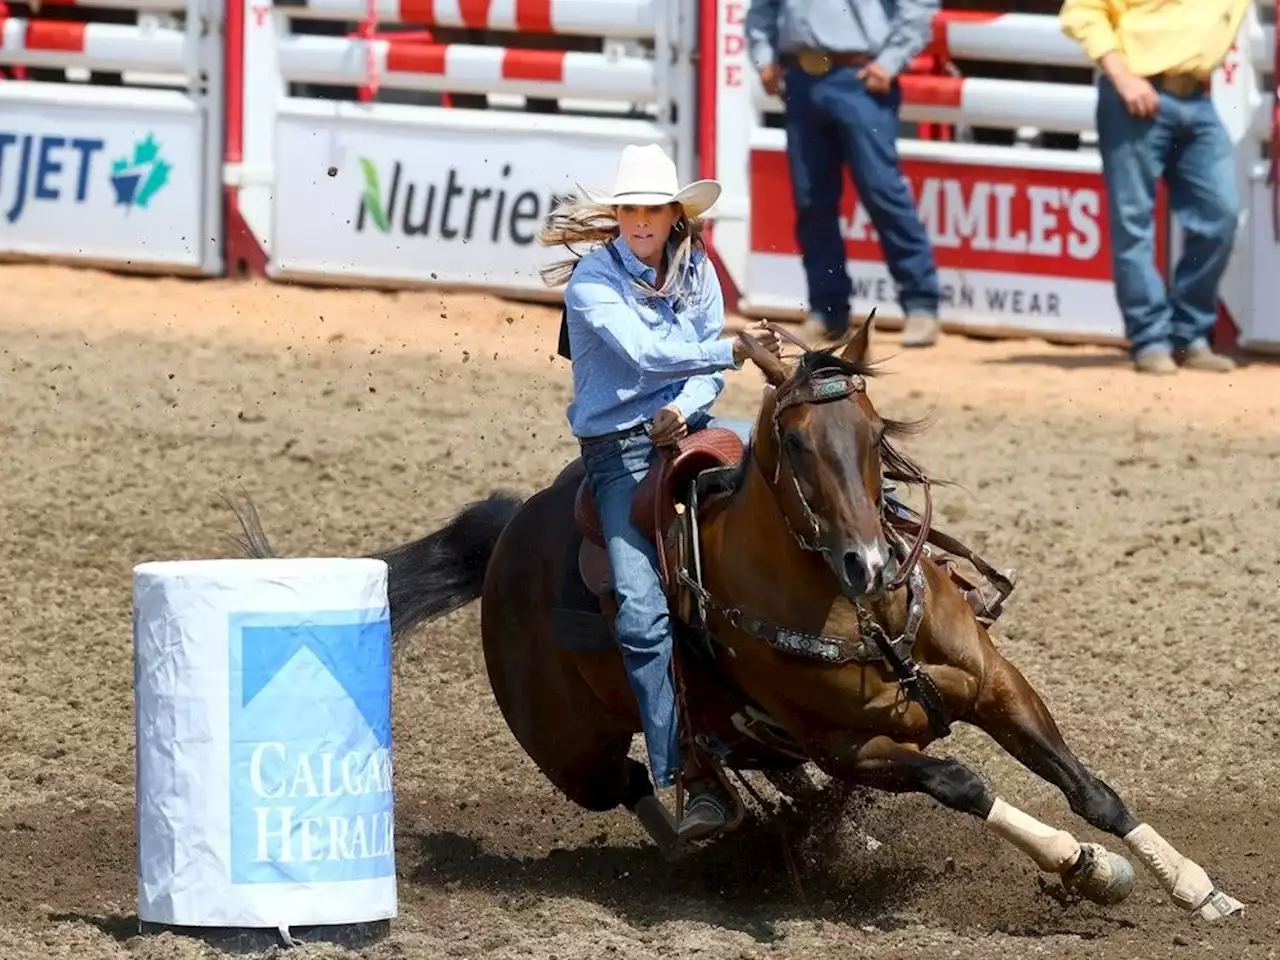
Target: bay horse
808,628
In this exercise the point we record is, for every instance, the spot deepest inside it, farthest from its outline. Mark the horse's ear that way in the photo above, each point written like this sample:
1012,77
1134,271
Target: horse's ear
856,350
774,369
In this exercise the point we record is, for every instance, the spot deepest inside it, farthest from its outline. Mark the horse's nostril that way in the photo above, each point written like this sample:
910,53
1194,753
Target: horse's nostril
855,572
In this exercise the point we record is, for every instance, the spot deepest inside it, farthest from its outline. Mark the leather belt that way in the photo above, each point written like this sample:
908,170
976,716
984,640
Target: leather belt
645,426
818,63
1179,84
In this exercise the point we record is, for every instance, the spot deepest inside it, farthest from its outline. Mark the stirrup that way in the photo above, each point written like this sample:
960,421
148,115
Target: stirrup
987,600
704,817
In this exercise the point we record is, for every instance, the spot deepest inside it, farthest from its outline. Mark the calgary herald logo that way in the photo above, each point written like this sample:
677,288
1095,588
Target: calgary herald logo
310,734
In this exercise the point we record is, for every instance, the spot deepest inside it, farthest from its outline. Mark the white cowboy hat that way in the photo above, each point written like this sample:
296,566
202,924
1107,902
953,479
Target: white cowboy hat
646,176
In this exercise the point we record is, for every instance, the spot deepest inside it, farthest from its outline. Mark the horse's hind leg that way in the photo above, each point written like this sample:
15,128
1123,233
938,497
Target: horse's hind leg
1013,714
891,766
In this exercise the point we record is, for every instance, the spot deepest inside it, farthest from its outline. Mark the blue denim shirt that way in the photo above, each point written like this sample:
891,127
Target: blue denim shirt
635,354
892,31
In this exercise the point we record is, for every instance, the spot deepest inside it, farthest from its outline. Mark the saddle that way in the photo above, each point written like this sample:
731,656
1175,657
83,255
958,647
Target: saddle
653,507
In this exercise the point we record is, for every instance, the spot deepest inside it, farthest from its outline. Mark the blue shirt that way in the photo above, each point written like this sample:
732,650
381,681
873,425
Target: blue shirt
635,354
891,31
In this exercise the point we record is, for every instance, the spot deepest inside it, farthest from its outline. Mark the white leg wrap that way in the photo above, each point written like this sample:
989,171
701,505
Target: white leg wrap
1052,850
1183,878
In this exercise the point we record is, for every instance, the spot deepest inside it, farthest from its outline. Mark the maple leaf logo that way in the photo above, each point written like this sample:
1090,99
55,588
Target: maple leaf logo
138,178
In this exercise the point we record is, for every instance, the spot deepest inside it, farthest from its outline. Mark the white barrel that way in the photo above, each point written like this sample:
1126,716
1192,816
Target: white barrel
263,723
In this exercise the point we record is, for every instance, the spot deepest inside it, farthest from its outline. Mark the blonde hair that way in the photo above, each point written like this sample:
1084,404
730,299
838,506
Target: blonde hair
577,220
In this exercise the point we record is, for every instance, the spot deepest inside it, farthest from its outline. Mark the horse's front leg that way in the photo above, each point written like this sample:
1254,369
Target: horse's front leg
1013,714
1087,869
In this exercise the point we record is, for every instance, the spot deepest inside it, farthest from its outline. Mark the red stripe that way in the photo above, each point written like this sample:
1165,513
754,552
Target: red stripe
416,57
940,27
475,13
932,91
63,35
545,65
534,16
417,11
233,53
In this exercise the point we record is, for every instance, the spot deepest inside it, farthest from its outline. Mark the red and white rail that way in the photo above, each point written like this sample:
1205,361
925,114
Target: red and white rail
976,101
126,176
411,65
617,19
92,46
141,6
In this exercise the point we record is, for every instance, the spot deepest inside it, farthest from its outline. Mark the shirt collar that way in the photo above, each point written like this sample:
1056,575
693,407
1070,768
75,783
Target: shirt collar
641,270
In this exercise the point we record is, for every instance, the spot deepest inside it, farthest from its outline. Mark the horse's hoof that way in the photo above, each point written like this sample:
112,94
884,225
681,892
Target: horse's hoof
1219,905
1100,875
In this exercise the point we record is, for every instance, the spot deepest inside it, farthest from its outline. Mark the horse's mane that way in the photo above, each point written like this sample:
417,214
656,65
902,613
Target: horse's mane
902,467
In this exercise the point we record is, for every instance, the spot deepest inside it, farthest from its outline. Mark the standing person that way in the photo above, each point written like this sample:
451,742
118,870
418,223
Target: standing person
644,314
1155,118
836,63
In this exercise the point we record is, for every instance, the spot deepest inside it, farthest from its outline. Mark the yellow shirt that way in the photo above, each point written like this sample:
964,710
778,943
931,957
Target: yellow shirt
1156,36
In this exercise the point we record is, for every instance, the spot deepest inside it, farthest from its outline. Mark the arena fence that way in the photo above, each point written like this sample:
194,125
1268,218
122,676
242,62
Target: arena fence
110,134
483,115
422,141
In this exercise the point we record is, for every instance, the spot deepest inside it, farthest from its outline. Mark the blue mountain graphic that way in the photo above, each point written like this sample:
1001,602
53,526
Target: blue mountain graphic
356,654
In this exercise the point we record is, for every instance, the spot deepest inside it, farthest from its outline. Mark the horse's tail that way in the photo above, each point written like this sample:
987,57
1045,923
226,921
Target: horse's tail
427,577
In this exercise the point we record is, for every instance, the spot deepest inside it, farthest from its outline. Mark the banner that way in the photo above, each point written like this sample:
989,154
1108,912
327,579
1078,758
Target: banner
99,181
428,202
1026,247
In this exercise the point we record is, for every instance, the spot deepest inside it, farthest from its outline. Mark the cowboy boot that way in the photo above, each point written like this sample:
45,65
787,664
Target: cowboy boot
706,813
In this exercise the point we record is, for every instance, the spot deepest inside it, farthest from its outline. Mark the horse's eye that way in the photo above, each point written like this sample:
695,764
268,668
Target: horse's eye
793,443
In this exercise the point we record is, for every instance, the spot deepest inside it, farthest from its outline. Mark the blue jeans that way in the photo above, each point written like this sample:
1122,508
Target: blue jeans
1187,144
615,469
835,118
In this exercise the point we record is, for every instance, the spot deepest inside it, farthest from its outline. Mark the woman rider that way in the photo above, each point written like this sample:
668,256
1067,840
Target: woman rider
645,317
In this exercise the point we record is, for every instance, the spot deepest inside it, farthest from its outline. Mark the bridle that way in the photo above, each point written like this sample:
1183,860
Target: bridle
827,387
817,388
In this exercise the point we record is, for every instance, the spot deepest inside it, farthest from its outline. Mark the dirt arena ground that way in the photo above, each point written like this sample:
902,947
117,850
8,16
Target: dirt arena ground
1140,513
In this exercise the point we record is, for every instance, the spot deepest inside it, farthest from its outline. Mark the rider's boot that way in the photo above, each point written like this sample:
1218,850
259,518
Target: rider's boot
707,810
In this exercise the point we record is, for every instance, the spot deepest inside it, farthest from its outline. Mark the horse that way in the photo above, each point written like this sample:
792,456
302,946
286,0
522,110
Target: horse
811,623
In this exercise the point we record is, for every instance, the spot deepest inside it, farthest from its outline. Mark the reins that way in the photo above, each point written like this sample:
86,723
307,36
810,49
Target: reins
816,388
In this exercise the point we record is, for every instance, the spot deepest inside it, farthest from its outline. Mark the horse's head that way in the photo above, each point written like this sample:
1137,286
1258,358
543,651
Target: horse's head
824,450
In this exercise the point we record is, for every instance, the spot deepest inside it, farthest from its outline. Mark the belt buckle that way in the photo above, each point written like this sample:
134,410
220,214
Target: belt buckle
814,62
1181,84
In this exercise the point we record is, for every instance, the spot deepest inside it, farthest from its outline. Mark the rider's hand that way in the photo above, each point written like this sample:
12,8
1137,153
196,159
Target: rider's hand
668,427
763,336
